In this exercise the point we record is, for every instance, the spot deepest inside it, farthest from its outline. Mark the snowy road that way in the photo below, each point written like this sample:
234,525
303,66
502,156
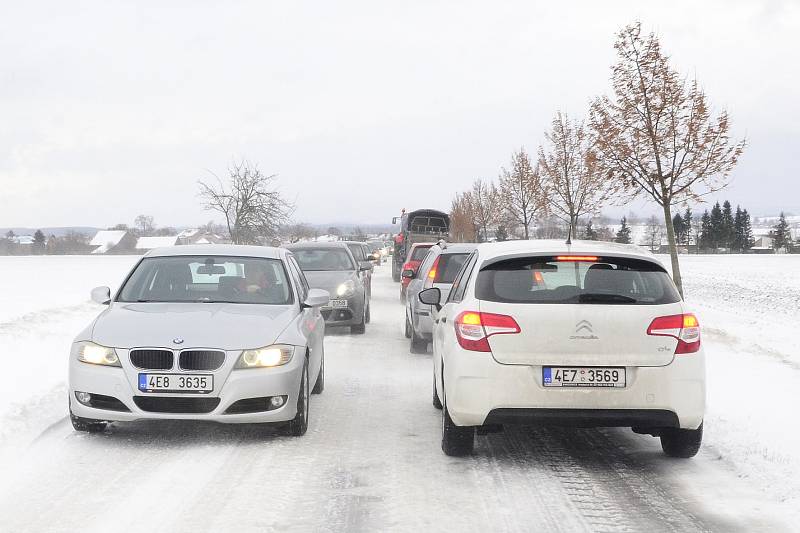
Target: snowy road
370,461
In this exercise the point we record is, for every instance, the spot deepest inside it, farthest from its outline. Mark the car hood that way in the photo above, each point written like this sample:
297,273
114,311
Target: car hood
328,280
201,325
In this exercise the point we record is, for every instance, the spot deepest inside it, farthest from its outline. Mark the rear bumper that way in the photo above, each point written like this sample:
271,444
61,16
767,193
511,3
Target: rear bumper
349,316
480,390
585,418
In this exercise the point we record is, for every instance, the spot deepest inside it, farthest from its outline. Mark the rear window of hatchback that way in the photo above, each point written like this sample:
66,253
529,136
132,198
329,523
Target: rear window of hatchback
589,280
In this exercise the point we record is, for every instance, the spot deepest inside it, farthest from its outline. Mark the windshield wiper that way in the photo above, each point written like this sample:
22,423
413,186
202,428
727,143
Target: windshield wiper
608,298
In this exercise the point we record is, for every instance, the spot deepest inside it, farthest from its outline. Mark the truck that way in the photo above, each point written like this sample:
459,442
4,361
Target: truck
422,225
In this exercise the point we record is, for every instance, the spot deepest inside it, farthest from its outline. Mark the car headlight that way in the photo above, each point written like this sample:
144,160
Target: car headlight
348,288
89,352
269,356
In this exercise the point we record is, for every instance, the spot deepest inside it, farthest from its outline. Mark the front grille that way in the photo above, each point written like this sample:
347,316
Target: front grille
109,403
152,359
162,404
201,360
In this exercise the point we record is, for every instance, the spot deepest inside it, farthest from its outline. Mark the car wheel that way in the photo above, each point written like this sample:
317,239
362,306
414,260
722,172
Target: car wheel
402,295
418,344
408,327
682,443
361,328
395,274
367,314
299,424
436,402
457,441
319,385
88,425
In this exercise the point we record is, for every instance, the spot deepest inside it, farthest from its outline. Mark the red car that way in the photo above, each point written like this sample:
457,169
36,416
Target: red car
413,260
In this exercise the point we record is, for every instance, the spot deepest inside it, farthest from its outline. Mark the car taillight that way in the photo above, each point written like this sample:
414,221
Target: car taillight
473,329
685,328
432,273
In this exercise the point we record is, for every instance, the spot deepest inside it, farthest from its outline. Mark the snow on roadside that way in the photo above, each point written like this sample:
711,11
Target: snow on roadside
45,303
749,307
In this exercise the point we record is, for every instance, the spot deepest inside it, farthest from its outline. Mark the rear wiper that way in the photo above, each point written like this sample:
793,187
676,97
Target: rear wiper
601,297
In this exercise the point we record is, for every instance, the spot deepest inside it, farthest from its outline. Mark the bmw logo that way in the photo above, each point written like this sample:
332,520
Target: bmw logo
177,340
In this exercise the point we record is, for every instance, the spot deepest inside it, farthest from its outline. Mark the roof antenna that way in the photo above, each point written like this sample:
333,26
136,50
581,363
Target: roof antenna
569,234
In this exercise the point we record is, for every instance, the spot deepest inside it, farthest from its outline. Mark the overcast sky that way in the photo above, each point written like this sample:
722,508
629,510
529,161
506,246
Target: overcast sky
112,109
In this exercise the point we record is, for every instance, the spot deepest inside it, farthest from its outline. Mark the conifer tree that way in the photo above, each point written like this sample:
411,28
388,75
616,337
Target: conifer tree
705,231
715,228
591,234
726,229
687,224
781,236
748,240
679,227
738,231
624,232
39,242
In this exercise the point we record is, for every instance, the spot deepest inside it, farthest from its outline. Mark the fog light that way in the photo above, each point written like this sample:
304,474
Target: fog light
83,397
277,401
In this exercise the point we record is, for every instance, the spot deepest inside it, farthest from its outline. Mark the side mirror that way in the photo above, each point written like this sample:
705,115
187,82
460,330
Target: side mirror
432,296
101,295
364,266
317,298
408,273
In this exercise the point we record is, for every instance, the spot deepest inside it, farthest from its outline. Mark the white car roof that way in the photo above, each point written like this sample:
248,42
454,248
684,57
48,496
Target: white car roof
493,251
232,250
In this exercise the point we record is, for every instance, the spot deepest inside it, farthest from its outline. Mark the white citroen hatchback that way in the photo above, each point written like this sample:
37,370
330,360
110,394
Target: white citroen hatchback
223,333
585,334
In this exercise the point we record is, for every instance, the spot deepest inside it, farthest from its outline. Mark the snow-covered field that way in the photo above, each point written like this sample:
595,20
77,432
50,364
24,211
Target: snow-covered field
371,460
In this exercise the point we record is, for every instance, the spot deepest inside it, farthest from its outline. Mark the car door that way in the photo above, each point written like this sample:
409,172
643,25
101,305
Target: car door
312,323
444,333
417,284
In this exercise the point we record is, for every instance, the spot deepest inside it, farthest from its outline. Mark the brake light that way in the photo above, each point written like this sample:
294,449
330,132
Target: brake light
590,258
473,329
685,328
432,273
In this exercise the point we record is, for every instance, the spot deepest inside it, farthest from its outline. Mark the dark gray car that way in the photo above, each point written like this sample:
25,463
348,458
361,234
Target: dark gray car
332,267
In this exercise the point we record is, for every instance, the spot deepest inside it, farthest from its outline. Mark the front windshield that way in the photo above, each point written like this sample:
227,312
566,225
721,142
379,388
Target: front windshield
324,259
208,279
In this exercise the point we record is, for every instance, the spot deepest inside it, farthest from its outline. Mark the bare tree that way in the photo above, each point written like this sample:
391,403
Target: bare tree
486,206
462,221
568,170
254,211
656,134
522,192
654,233
145,225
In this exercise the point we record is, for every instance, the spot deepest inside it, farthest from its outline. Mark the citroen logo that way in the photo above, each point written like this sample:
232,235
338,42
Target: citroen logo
177,340
583,331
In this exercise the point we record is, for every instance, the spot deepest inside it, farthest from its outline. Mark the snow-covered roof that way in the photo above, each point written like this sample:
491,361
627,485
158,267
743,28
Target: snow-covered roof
191,232
148,243
23,239
107,237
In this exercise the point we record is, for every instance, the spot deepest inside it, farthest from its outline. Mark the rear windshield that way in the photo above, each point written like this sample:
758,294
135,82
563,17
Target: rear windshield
321,259
448,267
600,281
419,253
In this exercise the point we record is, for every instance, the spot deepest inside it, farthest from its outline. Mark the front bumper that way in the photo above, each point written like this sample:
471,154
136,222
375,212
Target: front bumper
230,386
480,390
352,315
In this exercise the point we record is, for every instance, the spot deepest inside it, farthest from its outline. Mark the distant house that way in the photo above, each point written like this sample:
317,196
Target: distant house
112,241
196,236
763,245
149,243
